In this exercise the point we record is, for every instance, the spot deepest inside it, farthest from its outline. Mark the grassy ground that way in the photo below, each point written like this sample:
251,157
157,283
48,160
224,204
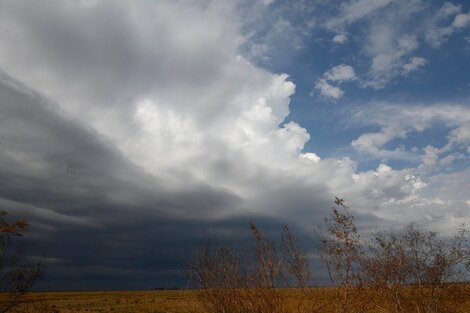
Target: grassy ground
144,301
115,301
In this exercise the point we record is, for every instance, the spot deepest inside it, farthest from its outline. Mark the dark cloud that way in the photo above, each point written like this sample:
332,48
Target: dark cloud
97,220
89,207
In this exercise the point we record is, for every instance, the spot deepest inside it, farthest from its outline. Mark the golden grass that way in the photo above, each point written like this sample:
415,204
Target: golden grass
178,301
110,301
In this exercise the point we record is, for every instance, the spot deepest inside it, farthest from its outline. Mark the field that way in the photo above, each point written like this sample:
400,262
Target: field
174,301
111,301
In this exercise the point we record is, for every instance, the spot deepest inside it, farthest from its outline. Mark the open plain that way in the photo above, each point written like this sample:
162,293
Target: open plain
163,301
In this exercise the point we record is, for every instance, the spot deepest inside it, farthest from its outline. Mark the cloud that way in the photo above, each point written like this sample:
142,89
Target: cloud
275,32
414,64
388,54
313,157
124,123
436,33
372,142
354,11
398,122
82,196
387,44
340,73
441,204
328,90
431,155
422,190
394,31
461,20
337,74
340,39
448,9
116,135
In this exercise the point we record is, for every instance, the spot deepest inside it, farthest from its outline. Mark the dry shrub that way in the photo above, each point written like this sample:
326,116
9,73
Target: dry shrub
244,279
343,253
16,278
419,271
408,271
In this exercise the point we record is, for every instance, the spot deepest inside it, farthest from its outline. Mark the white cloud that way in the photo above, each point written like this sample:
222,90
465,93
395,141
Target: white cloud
461,20
460,135
422,192
337,74
328,90
340,73
398,121
437,32
313,157
267,2
274,32
394,30
449,159
431,155
372,143
414,64
340,39
388,54
448,9
258,51
406,44
353,11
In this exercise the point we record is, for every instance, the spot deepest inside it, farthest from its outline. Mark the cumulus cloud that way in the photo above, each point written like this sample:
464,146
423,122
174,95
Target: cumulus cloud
432,202
311,156
427,194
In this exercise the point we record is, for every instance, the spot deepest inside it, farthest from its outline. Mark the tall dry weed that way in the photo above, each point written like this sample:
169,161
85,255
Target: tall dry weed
253,278
407,271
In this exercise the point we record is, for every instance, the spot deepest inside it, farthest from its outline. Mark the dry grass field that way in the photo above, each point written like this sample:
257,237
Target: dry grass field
111,301
180,301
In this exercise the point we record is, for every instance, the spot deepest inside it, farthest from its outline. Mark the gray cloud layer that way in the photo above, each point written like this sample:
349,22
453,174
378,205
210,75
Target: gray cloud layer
89,206
100,221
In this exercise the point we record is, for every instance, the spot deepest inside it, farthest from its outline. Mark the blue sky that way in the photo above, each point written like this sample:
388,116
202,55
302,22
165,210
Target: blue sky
441,75
129,129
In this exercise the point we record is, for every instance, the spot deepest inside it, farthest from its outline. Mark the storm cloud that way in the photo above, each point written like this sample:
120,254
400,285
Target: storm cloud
130,130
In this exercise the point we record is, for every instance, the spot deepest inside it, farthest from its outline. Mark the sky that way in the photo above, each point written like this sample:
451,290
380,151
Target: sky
130,131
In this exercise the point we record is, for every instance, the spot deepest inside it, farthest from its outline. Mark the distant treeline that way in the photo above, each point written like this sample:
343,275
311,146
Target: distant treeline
166,288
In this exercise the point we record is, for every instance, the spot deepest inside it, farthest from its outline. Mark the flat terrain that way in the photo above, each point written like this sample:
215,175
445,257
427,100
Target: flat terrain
114,301
178,301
